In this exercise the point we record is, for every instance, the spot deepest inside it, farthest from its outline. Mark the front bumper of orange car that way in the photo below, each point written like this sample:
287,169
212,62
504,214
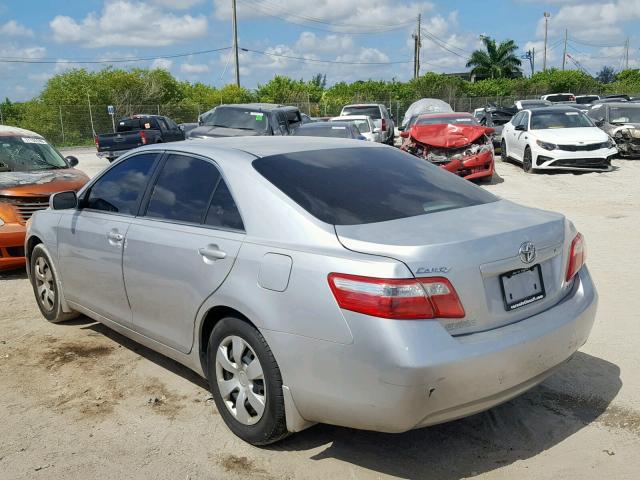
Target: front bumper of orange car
471,167
12,234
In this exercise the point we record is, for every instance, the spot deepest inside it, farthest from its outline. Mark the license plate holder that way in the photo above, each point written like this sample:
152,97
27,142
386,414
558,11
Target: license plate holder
522,287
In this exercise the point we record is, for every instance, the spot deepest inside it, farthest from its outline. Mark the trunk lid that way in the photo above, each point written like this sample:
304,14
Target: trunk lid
472,247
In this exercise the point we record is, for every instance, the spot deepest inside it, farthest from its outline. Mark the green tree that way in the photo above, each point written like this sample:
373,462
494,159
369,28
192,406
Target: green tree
606,75
496,60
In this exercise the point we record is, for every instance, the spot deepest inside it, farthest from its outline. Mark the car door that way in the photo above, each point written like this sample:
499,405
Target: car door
180,250
91,239
520,137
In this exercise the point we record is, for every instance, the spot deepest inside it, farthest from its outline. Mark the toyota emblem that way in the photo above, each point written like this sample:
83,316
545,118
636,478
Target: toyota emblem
527,252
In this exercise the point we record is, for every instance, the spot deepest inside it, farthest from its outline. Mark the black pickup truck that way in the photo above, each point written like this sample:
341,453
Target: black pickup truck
136,131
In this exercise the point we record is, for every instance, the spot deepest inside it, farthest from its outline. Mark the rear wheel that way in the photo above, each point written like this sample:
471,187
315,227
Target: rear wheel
527,161
45,286
245,381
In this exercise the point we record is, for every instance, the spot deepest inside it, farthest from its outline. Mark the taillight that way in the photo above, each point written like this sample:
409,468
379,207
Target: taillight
413,298
384,125
97,140
143,137
577,256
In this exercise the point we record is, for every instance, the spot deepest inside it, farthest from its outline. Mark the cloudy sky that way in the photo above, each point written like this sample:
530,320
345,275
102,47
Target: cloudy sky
345,39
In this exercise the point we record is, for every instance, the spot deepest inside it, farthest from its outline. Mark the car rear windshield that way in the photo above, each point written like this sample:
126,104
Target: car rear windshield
361,124
131,124
454,120
372,111
587,99
239,118
328,130
561,98
534,104
541,120
26,154
353,186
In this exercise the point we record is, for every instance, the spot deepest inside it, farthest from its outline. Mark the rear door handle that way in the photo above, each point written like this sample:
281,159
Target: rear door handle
212,252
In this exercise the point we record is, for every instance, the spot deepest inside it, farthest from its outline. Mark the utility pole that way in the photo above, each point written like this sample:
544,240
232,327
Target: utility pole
546,26
626,47
533,60
417,43
235,42
564,53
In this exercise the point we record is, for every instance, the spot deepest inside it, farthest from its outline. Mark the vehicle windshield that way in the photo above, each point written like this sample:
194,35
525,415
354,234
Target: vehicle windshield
331,186
323,130
368,110
587,99
450,119
542,120
27,154
624,114
233,117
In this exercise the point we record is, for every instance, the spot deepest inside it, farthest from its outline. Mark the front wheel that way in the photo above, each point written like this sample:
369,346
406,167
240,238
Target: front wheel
245,381
527,161
504,156
45,286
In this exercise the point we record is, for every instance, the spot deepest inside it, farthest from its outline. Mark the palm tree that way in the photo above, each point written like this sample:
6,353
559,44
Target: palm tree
496,61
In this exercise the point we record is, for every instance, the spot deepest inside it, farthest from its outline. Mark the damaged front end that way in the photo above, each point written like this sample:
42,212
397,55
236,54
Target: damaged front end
627,141
466,151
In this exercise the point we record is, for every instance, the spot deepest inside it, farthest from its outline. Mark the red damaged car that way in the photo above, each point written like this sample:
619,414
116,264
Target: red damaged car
455,141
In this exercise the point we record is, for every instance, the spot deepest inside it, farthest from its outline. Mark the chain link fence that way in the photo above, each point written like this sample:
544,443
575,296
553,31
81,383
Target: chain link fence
73,125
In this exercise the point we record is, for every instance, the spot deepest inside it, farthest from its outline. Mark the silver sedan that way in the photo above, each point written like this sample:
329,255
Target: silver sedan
318,280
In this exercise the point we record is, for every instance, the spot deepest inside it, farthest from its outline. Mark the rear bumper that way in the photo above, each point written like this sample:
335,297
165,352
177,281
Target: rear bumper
399,375
12,246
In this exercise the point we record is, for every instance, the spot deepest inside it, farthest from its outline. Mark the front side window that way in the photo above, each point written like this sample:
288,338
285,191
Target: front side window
183,189
353,186
516,120
121,188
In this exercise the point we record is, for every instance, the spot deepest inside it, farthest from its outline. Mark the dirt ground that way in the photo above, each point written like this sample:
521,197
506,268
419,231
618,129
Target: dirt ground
80,401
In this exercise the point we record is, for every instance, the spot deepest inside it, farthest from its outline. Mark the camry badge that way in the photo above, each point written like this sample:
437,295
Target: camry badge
527,252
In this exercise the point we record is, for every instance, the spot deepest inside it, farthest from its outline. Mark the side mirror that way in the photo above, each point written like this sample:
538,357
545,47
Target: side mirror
404,134
600,122
377,130
521,128
181,127
73,161
401,128
63,200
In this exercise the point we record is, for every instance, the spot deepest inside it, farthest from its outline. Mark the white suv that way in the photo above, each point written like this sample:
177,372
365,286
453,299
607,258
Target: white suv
378,113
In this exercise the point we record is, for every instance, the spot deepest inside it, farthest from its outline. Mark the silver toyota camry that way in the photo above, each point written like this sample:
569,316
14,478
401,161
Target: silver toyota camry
318,280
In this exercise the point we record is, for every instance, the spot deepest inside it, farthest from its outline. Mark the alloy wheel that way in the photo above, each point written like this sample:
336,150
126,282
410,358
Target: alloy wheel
240,380
44,284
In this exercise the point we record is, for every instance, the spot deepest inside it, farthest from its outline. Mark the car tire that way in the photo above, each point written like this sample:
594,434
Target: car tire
504,156
229,382
45,286
527,161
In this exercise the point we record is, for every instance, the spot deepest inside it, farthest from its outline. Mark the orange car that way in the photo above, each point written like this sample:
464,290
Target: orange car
30,171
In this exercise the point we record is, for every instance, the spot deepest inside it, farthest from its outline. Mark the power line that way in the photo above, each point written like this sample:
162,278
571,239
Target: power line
111,60
313,60
575,40
444,45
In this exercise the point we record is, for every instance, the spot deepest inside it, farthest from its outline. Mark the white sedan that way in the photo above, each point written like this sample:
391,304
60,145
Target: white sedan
557,138
365,125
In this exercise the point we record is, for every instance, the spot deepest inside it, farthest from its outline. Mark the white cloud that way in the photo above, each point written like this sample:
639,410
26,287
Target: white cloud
162,63
178,4
128,23
194,68
340,14
15,29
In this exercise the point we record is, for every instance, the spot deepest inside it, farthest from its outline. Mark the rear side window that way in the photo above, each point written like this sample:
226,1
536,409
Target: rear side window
223,211
352,186
183,189
121,188
372,111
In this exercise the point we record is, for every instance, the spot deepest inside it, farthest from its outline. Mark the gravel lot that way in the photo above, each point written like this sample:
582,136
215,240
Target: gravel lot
80,401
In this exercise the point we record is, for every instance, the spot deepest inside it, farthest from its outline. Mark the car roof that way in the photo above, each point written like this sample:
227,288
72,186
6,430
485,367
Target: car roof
10,131
619,104
349,118
554,108
362,105
258,106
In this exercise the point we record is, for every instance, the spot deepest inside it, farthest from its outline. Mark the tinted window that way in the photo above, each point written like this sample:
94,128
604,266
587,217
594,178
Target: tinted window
560,98
587,99
121,187
223,211
596,113
371,111
516,120
183,189
324,130
351,186
130,124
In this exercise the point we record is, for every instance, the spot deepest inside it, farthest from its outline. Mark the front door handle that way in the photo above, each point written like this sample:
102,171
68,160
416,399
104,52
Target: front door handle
212,252
115,237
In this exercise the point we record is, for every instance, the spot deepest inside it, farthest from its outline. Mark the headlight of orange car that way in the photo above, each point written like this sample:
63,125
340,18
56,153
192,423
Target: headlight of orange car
7,213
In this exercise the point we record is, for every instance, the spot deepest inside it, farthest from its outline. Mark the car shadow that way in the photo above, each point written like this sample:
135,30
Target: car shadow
516,430
147,353
18,274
